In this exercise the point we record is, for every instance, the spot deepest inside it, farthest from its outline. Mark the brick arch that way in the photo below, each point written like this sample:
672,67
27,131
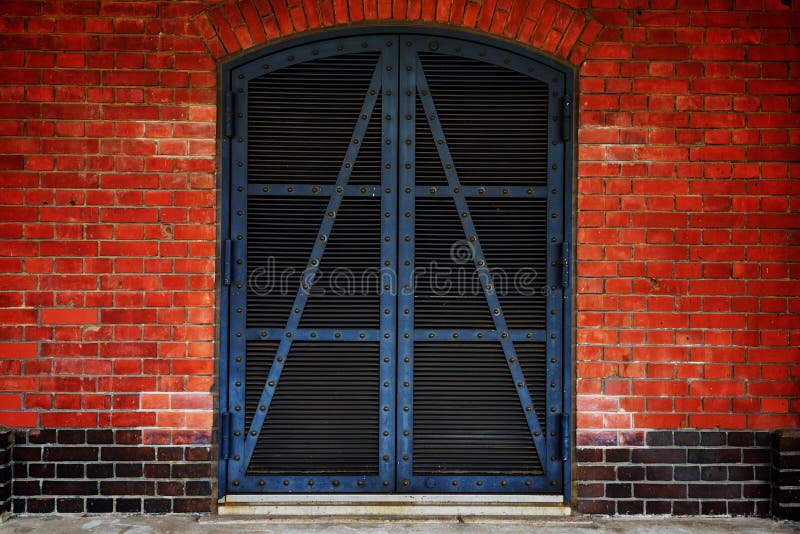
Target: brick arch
553,27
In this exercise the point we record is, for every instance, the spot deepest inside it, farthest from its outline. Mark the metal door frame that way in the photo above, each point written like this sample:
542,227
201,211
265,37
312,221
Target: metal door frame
231,101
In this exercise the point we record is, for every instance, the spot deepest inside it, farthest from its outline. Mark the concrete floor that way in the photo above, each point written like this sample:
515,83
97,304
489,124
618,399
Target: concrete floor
183,524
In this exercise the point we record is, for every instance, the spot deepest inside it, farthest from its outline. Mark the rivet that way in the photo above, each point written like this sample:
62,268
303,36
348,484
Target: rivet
553,458
554,166
386,360
240,188
503,483
479,483
528,409
261,483
512,359
385,432
385,482
238,334
310,482
265,189
335,483
262,408
405,483
527,482
520,384
552,408
285,482
386,384
339,189
280,359
406,408
553,336
480,335
406,360
552,360
405,457
237,432
553,483
263,334
406,432
432,117
238,358
271,383
455,482
360,482
235,482
238,383
237,407
253,433
337,335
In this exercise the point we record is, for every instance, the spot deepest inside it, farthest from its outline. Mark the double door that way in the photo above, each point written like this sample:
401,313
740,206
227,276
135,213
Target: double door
394,270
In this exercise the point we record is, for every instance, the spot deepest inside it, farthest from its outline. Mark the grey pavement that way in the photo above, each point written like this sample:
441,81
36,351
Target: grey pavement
187,524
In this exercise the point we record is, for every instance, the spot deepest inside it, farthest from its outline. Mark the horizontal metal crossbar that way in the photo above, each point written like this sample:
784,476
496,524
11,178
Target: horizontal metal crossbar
313,334
515,335
329,190
488,191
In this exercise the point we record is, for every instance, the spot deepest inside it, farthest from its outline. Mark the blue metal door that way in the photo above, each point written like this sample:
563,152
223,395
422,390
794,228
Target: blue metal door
394,276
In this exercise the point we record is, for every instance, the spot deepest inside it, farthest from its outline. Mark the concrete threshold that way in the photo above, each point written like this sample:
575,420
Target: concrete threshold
461,508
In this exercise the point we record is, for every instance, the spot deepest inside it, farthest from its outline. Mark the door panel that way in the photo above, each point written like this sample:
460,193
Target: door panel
477,272
395,297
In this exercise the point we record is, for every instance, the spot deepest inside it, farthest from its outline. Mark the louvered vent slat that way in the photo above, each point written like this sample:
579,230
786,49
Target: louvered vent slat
513,236
324,416
300,120
467,415
495,121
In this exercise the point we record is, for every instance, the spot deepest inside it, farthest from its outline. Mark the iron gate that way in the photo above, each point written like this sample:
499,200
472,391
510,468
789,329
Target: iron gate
395,268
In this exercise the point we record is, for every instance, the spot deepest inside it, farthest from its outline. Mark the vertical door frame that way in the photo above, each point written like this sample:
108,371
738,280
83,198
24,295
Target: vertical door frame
226,119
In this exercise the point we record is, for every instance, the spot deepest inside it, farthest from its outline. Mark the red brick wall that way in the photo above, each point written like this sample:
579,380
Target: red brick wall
687,204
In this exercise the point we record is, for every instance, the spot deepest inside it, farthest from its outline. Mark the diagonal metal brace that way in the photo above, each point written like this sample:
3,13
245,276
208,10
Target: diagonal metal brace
485,277
312,266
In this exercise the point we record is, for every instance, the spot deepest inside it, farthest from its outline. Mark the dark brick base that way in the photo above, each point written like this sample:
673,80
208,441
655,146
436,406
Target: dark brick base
96,471
6,444
676,472
786,474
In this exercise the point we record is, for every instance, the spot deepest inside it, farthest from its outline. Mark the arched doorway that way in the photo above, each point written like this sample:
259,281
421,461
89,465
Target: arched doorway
396,258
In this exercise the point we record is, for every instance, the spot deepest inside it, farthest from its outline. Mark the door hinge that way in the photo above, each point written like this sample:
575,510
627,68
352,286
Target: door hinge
565,274
226,262
225,434
228,115
566,118
565,441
